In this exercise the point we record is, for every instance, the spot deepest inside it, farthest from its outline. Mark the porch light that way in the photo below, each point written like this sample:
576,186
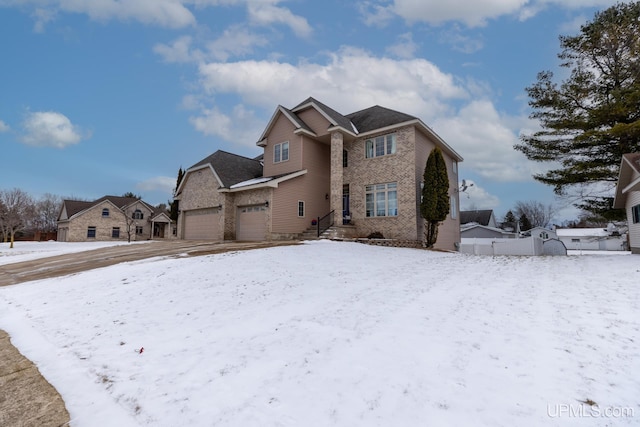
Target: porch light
266,203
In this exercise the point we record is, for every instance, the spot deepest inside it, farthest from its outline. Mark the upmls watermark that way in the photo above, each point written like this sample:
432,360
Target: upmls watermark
566,410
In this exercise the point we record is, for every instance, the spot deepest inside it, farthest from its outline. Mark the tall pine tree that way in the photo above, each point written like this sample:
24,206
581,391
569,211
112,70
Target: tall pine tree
435,203
591,118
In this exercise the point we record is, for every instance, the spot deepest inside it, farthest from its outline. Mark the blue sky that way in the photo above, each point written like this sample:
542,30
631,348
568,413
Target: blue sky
104,97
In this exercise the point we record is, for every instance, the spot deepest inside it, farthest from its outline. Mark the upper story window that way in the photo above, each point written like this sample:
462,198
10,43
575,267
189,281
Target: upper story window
345,158
454,167
137,214
380,146
281,152
105,212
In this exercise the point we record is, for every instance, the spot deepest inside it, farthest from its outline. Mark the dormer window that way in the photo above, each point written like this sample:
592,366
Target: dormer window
137,214
105,213
281,152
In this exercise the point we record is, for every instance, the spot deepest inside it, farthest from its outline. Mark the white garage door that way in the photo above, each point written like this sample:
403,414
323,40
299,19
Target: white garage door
252,224
202,224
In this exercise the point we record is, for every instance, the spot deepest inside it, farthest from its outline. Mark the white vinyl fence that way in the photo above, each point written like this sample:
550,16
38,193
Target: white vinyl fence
524,246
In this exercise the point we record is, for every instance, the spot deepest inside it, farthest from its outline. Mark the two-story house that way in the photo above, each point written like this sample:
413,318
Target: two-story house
365,167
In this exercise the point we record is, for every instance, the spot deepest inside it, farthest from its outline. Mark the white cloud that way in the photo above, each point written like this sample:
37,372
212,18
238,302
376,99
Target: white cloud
241,126
4,127
405,47
178,51
471,13
263,13
414,86
476,197
235,41
485,139
160,183
50,129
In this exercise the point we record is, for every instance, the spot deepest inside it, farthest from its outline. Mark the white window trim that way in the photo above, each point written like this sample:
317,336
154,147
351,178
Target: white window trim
386,200
279,147
373,142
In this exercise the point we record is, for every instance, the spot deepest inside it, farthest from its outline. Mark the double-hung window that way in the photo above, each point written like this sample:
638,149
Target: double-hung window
115,232
380,146
381,200
105,213
91,232
635,214
137,214
281,152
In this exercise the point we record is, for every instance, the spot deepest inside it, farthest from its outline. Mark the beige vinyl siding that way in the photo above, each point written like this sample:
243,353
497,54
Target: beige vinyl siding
282,131
316,121
284,210
633,198
449,230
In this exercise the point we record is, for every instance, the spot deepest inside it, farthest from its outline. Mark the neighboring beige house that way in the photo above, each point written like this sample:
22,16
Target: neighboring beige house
112,218
362,169
628,197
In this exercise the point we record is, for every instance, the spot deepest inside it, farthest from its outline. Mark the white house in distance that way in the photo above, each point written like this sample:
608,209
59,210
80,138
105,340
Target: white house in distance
592,239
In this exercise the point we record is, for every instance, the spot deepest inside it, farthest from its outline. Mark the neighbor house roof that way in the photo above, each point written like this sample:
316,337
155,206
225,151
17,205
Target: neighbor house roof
73,207
230,168
482,217
629,167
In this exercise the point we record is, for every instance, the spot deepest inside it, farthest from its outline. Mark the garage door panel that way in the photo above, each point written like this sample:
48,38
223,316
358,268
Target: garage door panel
251,223
202,224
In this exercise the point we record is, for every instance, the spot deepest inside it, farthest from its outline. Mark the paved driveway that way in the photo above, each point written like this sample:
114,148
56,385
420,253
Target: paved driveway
60,265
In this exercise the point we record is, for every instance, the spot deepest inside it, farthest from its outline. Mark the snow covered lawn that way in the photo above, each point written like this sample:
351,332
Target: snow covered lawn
339,334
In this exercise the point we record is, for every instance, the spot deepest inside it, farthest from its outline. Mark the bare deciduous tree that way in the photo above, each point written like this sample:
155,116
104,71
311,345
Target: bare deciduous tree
47,209
538,213
17,211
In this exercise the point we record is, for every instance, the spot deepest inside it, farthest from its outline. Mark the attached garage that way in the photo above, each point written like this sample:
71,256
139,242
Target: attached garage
251,223
202,224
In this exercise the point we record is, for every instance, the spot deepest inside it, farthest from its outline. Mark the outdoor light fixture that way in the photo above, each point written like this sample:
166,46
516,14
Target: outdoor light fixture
266,204
326,196
220,206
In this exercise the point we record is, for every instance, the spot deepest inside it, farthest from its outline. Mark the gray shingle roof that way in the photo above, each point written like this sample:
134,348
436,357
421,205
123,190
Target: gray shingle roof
377,117
232,168
481,217
338,118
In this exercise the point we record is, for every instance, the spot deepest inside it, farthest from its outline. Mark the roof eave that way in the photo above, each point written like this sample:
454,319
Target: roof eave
269,184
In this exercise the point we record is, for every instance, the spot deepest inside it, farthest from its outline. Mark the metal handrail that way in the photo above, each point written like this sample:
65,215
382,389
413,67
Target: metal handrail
325,222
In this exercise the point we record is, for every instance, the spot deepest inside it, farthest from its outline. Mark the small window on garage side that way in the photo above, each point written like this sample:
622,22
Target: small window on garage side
91,232
300,208
105,213
115,232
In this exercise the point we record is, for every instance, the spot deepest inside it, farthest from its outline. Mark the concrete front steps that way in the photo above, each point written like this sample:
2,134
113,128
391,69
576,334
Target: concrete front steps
347,231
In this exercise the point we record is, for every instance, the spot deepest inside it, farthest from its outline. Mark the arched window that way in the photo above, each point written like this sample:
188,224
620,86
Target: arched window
137,214
105,212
